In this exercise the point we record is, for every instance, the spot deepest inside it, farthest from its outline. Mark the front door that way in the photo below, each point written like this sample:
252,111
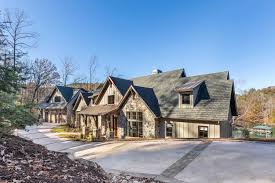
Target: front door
115,126
203,131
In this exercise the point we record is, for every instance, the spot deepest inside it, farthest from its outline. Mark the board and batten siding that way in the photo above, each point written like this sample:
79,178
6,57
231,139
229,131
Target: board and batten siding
111,90
190,130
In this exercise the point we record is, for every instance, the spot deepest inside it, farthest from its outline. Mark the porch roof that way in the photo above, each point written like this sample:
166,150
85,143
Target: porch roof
99,110
54,105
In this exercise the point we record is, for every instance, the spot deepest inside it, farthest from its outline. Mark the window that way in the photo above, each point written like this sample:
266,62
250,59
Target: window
185,99
134,124
57,99
203,132
111,99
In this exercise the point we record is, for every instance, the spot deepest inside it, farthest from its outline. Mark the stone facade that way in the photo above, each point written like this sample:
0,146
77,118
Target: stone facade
136,104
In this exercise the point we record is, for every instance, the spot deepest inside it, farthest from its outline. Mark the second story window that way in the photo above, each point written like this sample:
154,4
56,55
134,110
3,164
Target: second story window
57,99
111,99
185,99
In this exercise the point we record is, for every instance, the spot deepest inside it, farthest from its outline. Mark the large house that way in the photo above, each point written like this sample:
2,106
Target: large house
58,107
163,104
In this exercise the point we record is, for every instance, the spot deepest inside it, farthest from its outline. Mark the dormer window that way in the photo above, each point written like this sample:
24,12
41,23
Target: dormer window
185,99
57,99
188,93
111,99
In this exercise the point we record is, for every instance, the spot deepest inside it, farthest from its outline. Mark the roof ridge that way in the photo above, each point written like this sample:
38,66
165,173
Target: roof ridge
149,75
212,73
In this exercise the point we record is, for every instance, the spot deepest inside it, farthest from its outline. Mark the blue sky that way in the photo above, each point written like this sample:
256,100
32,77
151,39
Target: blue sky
136,36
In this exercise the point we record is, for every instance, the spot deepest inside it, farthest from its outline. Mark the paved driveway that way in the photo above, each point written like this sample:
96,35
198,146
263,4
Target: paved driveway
170,160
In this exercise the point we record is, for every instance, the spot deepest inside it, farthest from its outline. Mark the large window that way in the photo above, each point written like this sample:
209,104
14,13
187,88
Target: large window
57,99
134,124
111,99
185,99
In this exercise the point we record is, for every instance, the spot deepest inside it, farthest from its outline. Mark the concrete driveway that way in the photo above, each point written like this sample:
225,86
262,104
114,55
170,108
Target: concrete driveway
170,160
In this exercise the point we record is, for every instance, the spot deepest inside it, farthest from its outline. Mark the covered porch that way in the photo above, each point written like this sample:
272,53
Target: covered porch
100,121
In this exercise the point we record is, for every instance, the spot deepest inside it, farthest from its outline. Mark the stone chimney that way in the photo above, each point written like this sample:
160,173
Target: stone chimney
156,71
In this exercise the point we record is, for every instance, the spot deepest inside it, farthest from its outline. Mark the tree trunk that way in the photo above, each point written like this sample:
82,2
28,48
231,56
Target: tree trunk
34,94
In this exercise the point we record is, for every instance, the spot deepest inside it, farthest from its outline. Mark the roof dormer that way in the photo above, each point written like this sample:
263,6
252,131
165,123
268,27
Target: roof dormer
188,93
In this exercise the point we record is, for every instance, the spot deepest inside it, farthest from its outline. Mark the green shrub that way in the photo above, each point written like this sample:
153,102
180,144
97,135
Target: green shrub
13,115
245,133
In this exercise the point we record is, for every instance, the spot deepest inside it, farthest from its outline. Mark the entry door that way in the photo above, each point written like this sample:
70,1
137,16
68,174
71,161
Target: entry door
115,126
203,132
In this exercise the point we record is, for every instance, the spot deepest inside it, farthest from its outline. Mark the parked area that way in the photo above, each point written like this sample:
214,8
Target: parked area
171,160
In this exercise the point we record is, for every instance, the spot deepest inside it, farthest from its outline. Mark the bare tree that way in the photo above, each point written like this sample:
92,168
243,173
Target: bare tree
68,69
43,73
79,80
109,71
92,71
19,37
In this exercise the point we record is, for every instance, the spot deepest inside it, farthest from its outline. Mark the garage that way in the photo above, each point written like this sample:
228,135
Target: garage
192,130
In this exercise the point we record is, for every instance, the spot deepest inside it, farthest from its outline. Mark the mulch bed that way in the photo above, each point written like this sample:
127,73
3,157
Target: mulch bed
23,161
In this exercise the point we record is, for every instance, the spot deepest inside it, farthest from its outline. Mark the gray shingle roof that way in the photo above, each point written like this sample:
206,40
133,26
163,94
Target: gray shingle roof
86,96
121,84
216,95
66,92
149,97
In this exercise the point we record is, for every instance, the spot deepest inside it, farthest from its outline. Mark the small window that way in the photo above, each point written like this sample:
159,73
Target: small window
185,99
140,116
111,99
57,99
134,115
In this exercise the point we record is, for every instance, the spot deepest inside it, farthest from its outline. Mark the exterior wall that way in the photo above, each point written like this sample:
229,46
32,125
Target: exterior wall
190,129
226,129
53,116
137,104
80,106
69,113
56,93
111,90
226,126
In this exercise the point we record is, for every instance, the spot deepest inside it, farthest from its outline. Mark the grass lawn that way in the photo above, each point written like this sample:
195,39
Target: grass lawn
64,128
71,136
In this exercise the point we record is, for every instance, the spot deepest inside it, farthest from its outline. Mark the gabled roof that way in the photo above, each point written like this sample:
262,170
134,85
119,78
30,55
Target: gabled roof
67,92
86,96
121,84
147,95
212,108
82,95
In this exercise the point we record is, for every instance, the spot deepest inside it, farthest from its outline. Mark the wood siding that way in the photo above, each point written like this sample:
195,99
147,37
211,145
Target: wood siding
111,90
190,129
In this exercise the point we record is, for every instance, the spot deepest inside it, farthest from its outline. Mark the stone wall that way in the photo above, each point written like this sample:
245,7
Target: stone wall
136,104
